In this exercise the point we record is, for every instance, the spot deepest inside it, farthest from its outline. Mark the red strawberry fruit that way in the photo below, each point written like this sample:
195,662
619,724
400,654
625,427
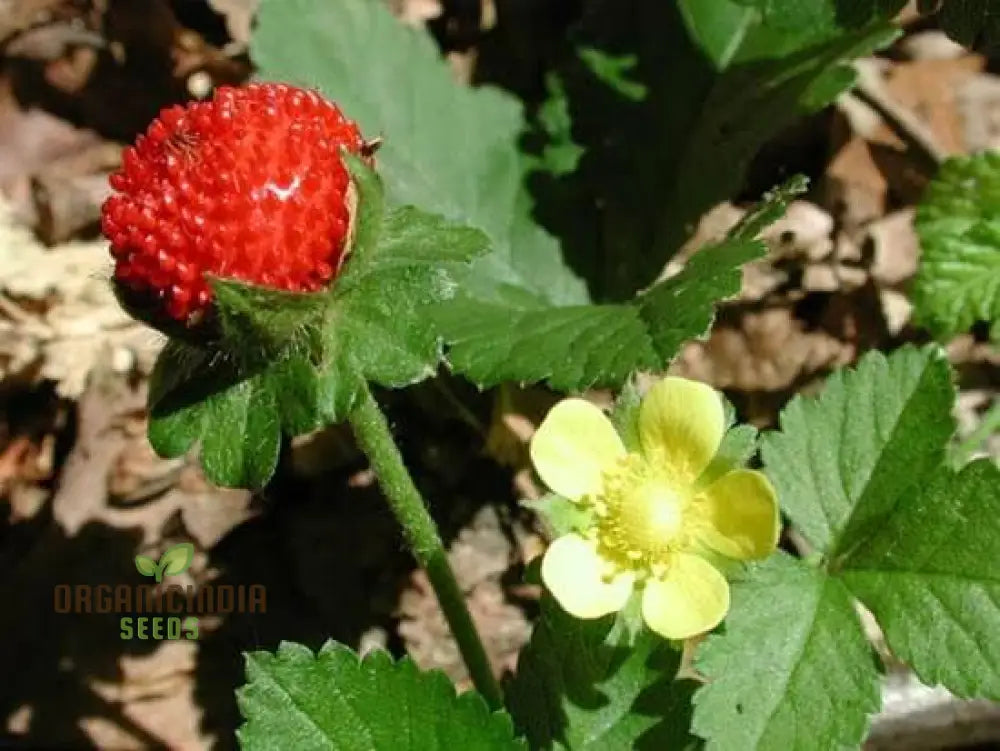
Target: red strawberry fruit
249,185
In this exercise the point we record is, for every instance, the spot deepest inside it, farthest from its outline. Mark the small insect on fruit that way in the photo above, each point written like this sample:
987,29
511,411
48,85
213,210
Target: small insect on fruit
368,148
183,143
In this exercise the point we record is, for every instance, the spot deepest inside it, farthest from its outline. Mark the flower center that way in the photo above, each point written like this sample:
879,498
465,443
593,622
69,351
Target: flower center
640,515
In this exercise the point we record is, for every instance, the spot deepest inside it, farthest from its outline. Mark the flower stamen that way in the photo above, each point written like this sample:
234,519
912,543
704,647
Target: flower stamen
641,516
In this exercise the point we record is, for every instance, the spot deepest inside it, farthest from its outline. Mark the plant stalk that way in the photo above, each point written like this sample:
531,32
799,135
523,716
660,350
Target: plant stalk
375,438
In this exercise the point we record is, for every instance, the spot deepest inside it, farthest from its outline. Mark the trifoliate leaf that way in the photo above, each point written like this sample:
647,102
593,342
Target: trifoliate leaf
334,700
861,471
791,671
451,150
958,220
931,576
587,685
287,363
843,460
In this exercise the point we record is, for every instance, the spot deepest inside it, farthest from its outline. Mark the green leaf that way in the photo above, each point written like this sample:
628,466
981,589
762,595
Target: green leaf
145,565
242,435
588,685
698,86
289,363
683,307
822,18
176,560
384,302
770,209
577,347
958,220
973,23
931,576
451,150
792,670
573,348
177,418
334,700
718,28
861,471
842,461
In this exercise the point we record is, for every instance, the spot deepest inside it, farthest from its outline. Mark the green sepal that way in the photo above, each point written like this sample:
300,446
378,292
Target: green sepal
261,324
286,363
369,204
625,414
561,516
738,445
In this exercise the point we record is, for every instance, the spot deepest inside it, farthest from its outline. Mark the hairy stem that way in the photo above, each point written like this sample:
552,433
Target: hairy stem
375,439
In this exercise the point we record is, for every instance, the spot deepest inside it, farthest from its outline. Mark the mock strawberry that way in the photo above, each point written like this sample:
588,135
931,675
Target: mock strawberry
249,185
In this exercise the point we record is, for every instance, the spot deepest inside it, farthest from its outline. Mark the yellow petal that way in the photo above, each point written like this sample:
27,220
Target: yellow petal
692,598
573,446
572,570
680,425
738,515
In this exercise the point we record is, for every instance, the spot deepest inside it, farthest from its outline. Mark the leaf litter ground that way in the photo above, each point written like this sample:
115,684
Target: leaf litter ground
81,492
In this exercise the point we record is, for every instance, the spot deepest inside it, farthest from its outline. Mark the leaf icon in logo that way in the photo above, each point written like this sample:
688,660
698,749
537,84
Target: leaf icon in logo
176,560
146,565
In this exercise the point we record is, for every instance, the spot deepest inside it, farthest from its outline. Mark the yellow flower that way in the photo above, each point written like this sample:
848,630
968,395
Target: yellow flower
653,526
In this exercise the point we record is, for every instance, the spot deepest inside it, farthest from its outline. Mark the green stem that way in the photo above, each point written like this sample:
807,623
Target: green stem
987,427
375,438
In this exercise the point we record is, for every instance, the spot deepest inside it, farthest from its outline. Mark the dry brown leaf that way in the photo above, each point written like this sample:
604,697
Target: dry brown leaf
895,248
480,555
767,350
58,316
